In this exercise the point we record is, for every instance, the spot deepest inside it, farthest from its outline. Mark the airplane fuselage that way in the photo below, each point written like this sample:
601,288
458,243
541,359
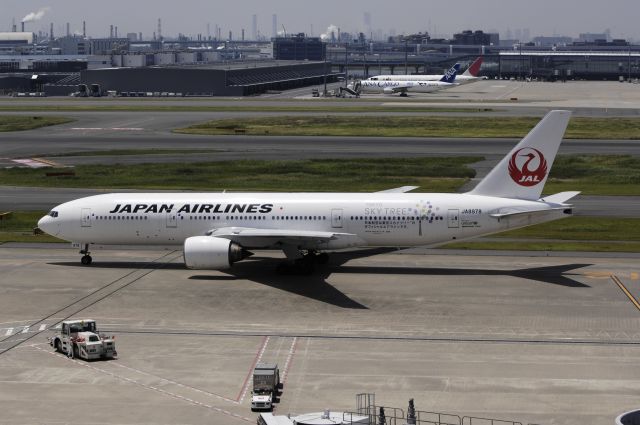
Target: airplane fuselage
395,86
373,219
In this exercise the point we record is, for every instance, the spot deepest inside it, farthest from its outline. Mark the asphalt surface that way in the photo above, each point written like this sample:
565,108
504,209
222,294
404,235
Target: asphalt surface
533,339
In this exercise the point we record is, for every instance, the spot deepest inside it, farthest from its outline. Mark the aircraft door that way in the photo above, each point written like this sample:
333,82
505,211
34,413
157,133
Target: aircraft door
336,218
85,214
454,219
172,220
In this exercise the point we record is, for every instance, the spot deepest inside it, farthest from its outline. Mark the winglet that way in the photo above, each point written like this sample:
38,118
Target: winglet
523,172
450,75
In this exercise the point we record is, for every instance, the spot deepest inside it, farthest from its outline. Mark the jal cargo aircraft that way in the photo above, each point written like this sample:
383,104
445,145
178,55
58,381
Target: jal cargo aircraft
404,86
468,76
217,229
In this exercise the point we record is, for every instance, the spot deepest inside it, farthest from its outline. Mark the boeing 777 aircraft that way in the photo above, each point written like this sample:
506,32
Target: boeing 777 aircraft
468,76
217,229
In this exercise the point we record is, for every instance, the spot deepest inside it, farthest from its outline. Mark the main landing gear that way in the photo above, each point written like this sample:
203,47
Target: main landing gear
304,265
86,258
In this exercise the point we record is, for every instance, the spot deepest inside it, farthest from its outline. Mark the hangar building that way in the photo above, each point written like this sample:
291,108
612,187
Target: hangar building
239,79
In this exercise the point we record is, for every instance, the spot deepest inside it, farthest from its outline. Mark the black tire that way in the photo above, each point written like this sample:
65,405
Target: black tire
76,352
86,260
58,346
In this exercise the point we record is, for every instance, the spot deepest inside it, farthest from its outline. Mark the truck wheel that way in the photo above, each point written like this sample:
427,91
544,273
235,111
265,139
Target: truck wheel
58,345
76,352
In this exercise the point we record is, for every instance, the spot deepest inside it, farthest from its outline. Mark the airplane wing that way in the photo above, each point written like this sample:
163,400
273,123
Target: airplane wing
402,88
401,189
262,238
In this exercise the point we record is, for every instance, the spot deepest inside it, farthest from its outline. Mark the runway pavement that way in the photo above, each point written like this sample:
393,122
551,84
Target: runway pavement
545,340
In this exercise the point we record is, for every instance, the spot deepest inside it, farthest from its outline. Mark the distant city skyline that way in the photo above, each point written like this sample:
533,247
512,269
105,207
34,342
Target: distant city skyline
377,17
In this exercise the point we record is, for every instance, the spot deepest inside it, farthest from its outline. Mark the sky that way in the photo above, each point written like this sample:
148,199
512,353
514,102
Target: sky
190,17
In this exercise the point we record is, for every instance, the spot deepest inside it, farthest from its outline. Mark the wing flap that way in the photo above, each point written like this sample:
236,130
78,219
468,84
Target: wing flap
277,238
275,233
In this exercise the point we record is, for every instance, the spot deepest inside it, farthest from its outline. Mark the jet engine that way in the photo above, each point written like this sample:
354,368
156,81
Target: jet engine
211,253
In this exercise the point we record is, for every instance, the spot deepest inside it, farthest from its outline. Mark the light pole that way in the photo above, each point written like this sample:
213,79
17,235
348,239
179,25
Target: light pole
406,56
346,64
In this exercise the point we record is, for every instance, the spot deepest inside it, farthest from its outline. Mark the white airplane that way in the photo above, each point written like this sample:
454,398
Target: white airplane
403,86
468,76
217,229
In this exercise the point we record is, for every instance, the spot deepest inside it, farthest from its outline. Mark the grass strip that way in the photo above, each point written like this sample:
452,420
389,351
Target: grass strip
593,246
323,175
412,126
18,227
21,123
581,229
591,174
595,175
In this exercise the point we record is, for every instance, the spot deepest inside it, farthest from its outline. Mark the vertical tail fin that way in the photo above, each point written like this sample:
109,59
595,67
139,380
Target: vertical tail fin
450,75
474,68
523,172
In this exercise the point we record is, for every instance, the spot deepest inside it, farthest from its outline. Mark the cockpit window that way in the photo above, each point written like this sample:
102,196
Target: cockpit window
53,213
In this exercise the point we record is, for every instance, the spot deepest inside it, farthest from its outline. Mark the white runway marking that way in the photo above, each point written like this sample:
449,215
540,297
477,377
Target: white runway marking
42,327
25,330
30,163
148,387
9,332
287,363
245,387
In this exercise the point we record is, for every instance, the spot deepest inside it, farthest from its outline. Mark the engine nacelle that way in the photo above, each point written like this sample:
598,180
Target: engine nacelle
211,253
388,90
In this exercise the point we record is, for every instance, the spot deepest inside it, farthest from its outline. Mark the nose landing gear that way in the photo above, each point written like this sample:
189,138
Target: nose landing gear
86,258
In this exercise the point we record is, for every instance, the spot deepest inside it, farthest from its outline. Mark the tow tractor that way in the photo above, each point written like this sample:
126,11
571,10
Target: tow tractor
81,339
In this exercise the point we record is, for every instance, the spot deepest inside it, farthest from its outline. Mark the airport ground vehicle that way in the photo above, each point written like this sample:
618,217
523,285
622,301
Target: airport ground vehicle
266,383
81,339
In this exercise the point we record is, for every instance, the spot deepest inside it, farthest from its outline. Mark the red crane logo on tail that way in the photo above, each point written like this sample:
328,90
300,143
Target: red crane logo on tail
521,164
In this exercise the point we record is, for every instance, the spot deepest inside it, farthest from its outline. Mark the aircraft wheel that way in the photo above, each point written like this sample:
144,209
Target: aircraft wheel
86,260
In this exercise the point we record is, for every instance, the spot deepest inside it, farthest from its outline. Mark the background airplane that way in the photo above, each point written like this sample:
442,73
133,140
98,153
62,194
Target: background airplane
404,86
468,76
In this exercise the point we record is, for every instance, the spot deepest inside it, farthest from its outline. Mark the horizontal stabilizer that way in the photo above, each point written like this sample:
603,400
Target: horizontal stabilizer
559,198
511,211
401,189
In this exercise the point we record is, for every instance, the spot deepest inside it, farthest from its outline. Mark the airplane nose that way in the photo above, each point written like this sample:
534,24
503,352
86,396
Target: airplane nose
46,225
